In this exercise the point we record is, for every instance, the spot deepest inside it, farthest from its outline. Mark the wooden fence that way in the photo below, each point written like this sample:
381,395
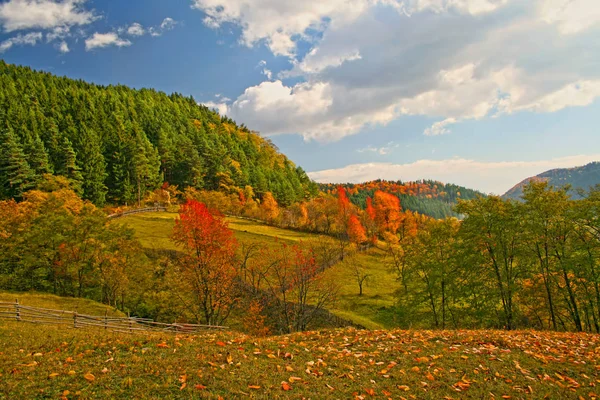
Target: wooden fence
136,211
21,313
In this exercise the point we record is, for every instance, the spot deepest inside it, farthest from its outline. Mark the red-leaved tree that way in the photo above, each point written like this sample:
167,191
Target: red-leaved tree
207,269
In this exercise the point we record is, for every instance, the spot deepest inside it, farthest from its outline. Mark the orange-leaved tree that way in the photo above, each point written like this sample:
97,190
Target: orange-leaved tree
356,232
387,212
207,269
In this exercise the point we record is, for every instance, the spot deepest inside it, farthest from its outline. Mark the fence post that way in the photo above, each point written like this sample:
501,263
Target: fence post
105,319
74,319
17,310
130,326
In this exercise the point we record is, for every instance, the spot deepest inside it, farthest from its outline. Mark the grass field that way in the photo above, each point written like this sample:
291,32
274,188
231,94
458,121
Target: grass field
374,309
44,300
48,362
154,230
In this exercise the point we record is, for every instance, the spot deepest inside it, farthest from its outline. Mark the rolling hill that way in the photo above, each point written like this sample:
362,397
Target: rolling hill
578,178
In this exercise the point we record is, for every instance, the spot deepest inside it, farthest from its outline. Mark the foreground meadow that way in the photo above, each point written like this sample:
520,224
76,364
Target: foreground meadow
48,362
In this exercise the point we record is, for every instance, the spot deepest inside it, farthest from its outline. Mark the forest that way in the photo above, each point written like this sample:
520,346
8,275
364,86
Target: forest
432,198
115,144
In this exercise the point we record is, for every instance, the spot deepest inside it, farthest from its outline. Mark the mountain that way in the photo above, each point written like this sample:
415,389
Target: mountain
115,143
578,178
428,197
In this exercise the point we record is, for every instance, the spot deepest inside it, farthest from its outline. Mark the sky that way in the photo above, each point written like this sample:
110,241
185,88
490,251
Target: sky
481,93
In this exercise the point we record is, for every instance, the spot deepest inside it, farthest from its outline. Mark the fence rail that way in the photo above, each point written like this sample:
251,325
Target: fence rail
136,211
21,313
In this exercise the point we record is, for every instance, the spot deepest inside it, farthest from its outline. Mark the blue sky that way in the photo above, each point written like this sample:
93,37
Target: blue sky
482,93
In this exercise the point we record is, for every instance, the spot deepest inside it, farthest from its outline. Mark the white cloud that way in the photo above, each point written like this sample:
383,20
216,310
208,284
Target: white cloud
221,107
488,177
63,47
383,150
21,40
136,29
472,7
43,14
278,23
571,16
168,24
101,40
439,128
374,61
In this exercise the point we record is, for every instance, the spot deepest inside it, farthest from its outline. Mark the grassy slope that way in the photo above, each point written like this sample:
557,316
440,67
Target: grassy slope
154,230
372,310
44,300
67,363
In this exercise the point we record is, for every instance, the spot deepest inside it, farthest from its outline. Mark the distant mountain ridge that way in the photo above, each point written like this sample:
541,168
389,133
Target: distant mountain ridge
578,178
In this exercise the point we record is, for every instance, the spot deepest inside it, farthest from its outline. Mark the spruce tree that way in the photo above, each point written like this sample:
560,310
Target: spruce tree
68,165
15,173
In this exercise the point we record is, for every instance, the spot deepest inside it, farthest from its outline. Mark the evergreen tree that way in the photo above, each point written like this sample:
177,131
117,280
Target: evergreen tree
15,173
68,167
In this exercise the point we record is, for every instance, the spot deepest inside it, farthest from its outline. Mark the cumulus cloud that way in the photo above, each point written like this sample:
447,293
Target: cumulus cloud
571,16
488,177
43,14
63,47
373,61
136,29
101,40
30,39
221,107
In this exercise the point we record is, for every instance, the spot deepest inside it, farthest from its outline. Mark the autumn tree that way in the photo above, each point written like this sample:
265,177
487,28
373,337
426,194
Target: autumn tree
269,207
207,268
356,232
387,213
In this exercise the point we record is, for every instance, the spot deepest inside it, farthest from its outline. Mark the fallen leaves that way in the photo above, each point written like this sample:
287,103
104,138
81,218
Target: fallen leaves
89,377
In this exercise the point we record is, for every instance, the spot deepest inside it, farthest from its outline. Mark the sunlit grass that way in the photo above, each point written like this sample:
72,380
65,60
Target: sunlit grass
50,301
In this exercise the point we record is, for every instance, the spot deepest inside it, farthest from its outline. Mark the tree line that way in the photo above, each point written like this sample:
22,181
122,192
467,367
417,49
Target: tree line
508,264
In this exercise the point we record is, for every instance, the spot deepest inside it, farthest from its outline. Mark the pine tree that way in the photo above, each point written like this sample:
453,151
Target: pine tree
68,165
15,173
93,168
38,157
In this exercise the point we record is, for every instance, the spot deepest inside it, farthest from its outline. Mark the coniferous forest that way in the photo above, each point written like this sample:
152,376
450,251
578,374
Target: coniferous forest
114,143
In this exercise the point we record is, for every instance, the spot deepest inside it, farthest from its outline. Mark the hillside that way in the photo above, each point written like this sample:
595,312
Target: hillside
578,178
374,309
115,144
52,362
427,197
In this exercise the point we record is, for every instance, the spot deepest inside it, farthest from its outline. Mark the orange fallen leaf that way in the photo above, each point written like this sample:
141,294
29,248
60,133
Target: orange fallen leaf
199,387
222,344
163,345
89,377
403,388
286,386
53,375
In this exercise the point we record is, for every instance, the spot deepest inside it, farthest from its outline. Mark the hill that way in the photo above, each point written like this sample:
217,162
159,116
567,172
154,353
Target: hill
52,362
374,309
578,178
427,197
53,302
115,143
